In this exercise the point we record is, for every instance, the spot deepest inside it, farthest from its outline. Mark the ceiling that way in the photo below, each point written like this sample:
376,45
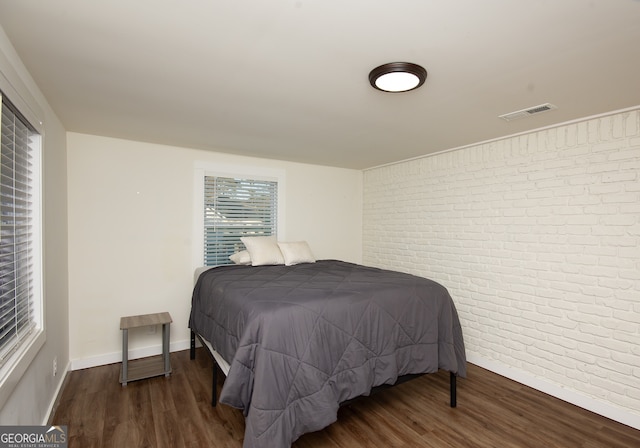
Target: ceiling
288,79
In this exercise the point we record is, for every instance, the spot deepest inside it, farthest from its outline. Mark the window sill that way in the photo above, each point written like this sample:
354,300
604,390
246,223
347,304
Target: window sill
13,371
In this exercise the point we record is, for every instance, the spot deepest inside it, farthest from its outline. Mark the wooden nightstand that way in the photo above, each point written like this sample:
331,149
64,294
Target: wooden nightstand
145,367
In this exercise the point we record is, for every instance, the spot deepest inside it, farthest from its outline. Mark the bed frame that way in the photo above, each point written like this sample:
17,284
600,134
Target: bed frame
219,362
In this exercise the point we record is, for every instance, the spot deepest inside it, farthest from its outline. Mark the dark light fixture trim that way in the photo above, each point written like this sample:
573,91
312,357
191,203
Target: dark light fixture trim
414,74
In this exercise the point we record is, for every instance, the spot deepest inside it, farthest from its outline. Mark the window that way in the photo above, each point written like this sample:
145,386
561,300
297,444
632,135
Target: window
20,296
233,208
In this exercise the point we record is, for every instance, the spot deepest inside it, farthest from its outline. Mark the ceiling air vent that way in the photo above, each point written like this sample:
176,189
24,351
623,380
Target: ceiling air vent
527,112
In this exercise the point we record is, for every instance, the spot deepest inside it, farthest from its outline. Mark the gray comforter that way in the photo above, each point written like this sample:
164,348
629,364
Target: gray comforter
302,339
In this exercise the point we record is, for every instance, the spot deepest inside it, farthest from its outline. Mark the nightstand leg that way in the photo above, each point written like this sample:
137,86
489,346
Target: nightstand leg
125,355
165,348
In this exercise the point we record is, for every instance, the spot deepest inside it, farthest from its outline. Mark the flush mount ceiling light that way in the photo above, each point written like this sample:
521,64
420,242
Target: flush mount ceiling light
397,77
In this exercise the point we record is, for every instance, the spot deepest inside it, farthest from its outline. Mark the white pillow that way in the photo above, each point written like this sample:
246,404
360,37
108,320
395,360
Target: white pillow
296,252
263,250
241,257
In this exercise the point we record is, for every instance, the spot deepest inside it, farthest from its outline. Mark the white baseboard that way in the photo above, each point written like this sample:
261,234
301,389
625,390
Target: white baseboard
605,409
56,395
111,358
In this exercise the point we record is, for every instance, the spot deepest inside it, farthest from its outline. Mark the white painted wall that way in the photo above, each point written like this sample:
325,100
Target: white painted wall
34,395
537,237
131,213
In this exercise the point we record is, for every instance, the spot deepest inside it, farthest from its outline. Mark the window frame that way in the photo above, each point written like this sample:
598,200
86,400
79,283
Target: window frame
12,371
235,207
203,169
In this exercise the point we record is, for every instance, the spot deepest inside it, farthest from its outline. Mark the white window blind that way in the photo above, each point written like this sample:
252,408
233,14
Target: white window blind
17,302
234,208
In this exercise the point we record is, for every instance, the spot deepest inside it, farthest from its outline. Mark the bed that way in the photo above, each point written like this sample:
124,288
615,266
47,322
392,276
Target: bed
297,341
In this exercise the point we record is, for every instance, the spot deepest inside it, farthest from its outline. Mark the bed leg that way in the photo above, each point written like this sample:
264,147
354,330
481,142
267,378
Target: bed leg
192,350
214,390
452,389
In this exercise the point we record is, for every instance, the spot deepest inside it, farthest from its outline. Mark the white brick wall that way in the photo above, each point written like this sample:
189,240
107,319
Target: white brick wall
537,238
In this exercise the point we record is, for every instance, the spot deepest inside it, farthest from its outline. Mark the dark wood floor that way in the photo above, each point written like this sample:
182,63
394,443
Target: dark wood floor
176,412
